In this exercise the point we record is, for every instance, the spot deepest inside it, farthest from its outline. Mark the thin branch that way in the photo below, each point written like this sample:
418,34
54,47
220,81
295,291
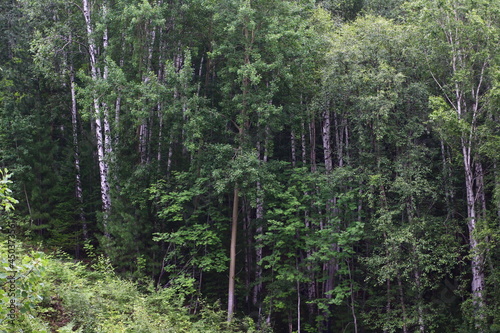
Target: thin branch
445,94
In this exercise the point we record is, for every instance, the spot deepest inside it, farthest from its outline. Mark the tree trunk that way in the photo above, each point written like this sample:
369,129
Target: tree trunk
327,149
103,163
402,301
353,308
259,220
76,154
144,128
293,149
161,79
312,142
331,267
477,262
420,300
299,299
388,302
303,145
232,256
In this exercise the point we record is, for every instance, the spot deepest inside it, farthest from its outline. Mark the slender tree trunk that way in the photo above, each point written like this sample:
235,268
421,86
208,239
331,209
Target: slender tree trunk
293,143
312,142
331,267
103,163
249,236
263,157
170,153
161,79
108,146
341,138
258,248
143,134
420,310
312,287
118,102
76,154
353,309
311,283
299,299
403,306
303,145
327,149
232,256
144,127
388,302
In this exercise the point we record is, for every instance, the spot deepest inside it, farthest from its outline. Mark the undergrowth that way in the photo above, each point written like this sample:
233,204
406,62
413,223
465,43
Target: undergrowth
52,293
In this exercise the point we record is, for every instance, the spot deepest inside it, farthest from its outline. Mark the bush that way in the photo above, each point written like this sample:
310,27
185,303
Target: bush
59,295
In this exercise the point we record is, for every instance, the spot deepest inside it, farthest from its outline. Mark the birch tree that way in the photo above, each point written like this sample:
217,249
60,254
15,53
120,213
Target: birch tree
463,40
100,111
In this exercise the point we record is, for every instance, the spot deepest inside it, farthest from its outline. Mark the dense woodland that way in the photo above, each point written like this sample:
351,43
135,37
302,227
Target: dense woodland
314,166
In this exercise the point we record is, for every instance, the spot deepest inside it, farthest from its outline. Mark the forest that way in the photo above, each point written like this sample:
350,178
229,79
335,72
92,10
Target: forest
287,166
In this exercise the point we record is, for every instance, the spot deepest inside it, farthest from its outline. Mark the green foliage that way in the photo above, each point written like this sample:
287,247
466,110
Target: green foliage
23,279
202,97
56,294
6,201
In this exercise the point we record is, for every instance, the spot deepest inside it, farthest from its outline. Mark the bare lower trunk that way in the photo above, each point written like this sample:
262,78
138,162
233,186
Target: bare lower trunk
312,142
143,135
353,310
76,155
258,249
248,249
403,306
311,284
108,146
298,299
161,79
293,149
259,220
232,257
144,127
477,260
327,150
339,139
331,267
388,302
420,310
303,145
170,153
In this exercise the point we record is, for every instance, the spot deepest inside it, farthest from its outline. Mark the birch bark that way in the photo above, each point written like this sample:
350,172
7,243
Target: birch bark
98,117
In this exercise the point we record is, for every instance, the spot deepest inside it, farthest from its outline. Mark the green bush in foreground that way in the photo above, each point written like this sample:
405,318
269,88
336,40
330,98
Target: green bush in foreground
58,295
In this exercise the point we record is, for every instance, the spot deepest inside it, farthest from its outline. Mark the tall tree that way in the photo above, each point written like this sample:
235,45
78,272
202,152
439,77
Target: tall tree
463,38
100,115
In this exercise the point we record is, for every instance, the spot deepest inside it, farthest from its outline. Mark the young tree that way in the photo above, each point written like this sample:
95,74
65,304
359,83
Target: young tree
7,202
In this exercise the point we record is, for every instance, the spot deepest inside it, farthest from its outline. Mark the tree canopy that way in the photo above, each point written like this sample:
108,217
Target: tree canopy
312,166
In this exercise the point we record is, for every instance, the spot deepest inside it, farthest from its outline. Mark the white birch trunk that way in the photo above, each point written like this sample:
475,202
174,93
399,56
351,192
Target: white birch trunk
327,149
103,165
465,102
